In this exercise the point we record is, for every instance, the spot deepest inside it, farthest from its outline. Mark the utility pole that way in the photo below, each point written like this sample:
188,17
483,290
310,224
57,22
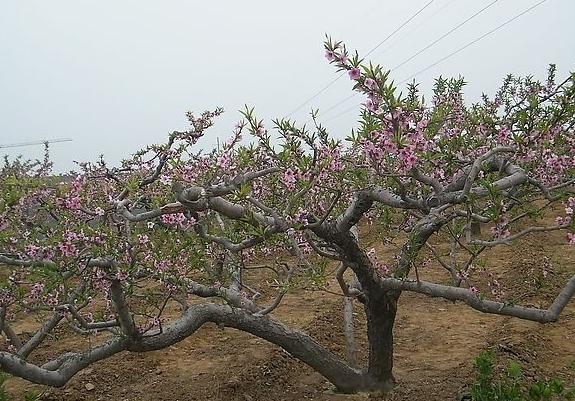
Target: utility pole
31,143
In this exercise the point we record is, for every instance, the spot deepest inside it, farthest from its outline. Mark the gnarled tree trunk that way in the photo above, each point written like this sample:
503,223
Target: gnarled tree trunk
380,310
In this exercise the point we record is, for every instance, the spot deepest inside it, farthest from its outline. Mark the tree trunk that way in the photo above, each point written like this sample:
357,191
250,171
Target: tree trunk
380,311
349,332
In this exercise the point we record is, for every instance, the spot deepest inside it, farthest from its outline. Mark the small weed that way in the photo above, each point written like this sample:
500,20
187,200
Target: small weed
511,385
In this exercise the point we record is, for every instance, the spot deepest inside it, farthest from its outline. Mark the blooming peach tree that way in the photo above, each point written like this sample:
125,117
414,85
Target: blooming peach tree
143,254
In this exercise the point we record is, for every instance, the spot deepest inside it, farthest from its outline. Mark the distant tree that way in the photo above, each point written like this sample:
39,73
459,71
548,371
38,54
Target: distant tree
115,249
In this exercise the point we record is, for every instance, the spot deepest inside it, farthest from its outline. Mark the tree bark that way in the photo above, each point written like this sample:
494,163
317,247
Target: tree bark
300,345
349,332
380,311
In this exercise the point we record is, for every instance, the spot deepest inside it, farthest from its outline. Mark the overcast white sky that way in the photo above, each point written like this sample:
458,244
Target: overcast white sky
117,75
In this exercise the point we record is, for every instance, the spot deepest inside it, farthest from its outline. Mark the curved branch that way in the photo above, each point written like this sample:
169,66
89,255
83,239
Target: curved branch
58,372
170,208
363,202
123,314
226,242
297,343
40,335
427,180
89,325
319,251
509,239
476,167
300,345
238,180
499,308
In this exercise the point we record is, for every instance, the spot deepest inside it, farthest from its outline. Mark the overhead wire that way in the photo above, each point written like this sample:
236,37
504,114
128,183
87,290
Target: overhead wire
455,28
414,30
470,43
446,34
352,95
473,41
333,81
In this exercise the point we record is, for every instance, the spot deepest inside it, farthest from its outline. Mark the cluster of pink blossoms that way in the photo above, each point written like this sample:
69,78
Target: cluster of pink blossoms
289,179
36,295
382,268
72,200
501,229
101,281
39,252
568,219
385,147
71,242
178,219
36,290
333,157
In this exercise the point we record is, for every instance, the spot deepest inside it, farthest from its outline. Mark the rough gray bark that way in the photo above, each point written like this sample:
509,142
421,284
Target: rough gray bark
349,332
380,311
300,345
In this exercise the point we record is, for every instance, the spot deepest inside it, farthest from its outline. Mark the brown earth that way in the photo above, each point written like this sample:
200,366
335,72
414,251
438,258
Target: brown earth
435,344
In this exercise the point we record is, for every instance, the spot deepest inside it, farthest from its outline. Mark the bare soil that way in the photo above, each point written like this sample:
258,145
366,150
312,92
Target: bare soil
435,345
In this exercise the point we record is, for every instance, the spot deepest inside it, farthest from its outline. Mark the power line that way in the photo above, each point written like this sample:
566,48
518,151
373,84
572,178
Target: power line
349,109
415,29
333,81
474,41
399,28
453,53
422,50
444,35
339,103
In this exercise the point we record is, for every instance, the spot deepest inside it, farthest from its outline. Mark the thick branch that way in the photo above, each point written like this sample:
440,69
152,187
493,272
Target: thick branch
238,180
427,180
67,366
483,305
40,335
476,167
122,311
509,239
122,209
363,202
299,344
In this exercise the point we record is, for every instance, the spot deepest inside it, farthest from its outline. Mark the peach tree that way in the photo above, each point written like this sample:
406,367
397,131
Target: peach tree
142,254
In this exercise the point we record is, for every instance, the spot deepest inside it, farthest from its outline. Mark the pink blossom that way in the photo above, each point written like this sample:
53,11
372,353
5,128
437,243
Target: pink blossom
371,106
500,229
72,203
52,299
165,179
31,251
68,249
329,55
289,179
161,266
407,157
36,290
224,161
354,74
342,58
143,239
122,276
370,83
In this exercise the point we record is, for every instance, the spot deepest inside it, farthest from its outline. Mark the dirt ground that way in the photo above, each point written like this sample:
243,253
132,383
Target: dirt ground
435,344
